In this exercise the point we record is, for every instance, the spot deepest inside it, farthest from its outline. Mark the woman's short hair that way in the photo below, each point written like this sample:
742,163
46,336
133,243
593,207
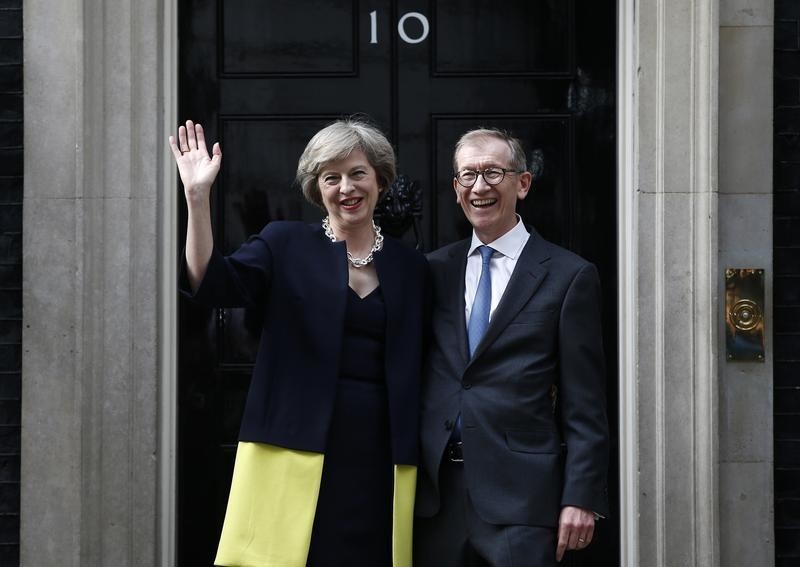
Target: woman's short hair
335,142
518,158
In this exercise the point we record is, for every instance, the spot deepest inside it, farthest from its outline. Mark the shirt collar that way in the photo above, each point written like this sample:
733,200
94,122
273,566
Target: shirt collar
509,245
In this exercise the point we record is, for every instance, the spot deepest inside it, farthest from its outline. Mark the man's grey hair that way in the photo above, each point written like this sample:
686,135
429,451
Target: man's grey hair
518,159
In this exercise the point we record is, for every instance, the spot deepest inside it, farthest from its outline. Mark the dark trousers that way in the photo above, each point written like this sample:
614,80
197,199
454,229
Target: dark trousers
458,537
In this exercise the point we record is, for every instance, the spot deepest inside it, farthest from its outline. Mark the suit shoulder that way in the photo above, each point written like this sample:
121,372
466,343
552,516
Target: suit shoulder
445,253
565,257
281,231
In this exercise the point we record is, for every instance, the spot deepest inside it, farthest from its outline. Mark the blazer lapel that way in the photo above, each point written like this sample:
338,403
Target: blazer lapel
390,279
525,280
332,261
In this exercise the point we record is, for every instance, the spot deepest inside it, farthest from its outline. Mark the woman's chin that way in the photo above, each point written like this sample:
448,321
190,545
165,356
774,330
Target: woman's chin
354,219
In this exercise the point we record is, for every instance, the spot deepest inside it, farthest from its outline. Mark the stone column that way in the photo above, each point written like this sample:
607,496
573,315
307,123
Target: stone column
675,212
93,171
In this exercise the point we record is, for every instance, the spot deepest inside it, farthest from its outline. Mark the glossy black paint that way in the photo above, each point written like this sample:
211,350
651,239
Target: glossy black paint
786,284
11,190
264,76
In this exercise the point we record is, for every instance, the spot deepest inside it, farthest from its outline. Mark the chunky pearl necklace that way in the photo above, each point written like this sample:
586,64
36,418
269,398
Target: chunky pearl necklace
377,246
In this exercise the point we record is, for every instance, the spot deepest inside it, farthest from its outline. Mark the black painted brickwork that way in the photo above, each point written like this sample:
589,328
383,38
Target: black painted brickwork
786,241
11,184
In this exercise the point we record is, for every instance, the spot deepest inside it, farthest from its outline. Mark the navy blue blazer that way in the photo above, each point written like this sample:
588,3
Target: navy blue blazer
299,278
532,396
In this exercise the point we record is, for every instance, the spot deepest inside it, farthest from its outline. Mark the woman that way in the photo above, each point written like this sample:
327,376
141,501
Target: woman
326,464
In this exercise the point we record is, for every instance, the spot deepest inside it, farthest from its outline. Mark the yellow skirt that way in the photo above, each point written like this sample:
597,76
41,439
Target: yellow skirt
271,508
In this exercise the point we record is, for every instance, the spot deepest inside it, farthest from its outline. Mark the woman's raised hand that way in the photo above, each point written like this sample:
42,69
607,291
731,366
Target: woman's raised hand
197,169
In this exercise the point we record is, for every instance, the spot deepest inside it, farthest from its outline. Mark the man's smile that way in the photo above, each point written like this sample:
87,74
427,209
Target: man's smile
480,203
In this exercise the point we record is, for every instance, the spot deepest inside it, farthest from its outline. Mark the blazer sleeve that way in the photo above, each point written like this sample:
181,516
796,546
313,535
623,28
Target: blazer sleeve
582,394
239,280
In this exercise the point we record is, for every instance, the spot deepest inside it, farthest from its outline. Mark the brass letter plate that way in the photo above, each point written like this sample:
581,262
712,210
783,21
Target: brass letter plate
744,314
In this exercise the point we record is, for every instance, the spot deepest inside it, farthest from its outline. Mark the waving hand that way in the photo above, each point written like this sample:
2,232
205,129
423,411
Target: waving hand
197,169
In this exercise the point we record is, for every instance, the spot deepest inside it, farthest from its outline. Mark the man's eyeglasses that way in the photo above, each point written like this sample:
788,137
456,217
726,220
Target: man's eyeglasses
491,175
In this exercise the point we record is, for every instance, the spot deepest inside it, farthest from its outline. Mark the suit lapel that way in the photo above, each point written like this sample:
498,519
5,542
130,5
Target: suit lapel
456,270
526,278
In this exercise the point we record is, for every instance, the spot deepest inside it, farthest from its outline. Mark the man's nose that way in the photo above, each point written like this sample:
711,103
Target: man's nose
480,185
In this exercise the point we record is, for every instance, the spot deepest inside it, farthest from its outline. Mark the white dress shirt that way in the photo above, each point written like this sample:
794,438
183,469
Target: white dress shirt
507,249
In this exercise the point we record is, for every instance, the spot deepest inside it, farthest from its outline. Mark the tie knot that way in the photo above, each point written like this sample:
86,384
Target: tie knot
486,254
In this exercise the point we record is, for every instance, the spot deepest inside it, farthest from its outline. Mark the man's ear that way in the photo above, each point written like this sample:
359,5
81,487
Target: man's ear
525,179
455,188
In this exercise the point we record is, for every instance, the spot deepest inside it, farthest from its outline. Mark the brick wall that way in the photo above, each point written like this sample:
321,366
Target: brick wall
10,274
786,211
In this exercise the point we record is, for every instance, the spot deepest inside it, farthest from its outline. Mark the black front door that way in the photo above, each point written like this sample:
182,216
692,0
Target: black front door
263,76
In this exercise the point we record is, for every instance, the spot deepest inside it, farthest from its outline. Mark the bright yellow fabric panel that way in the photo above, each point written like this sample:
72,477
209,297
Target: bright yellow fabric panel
405,485
272,502
271,507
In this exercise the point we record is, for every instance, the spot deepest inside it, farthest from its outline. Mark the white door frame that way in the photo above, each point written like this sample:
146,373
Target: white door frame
168,309
626,277
627,270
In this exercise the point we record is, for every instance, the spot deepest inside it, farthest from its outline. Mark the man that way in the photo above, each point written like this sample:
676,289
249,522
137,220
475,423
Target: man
514,433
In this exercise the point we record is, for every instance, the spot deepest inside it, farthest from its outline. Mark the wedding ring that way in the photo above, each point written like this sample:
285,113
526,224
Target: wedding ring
581,540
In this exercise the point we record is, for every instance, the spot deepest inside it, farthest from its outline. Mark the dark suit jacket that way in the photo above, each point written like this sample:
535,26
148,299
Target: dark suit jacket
527,452
298,277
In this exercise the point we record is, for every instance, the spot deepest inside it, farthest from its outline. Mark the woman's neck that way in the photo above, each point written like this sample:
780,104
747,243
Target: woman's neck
359,239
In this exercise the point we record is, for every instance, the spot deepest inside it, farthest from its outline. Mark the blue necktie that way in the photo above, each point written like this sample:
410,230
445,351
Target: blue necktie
479,314
478,317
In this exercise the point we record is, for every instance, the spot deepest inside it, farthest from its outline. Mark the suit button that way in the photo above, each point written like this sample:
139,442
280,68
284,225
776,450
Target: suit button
467,385
448,424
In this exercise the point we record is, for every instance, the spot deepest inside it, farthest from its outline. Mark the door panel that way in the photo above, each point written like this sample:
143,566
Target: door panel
259,184
266,38
486,38
264,76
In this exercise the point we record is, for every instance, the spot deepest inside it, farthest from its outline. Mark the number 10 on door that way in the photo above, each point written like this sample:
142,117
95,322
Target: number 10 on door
401,27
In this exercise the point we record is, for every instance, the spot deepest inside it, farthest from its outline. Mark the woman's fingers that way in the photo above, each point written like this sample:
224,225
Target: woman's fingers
191,137
201,138
183,145
176,151
195,165
190,134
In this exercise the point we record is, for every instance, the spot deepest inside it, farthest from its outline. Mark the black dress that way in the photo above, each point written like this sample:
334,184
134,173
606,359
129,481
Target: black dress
353,519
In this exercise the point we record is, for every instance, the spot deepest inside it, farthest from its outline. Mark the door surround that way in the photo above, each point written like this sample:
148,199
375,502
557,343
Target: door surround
626,278
644,34
99,290
168,309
